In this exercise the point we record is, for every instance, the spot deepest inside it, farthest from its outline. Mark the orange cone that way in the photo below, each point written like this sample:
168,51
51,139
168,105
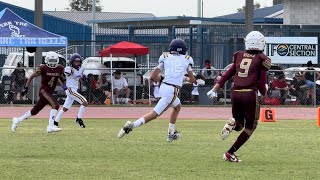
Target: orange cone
268,115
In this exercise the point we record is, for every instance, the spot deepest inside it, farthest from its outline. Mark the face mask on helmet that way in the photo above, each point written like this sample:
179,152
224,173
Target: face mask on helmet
255,41
75,60
52,59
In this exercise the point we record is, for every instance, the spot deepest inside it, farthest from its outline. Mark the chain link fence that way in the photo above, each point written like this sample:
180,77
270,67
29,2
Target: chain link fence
289,87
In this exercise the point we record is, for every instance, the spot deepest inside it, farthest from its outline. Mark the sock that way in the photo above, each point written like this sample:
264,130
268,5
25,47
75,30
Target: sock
138,122
60,113
171,128
53,114
81,111
243,137
24,116
126,100
55,123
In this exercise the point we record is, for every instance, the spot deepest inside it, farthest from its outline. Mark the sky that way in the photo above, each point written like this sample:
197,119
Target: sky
160,8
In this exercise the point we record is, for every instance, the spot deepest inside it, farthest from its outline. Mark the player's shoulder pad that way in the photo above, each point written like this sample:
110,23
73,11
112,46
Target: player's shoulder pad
234,57
60,67
266,61
41,67
187,57
67,70
165,55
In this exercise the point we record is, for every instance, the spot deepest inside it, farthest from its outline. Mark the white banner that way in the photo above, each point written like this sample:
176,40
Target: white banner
292,50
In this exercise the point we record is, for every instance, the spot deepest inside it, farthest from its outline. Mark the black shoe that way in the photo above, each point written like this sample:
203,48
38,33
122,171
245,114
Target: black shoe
56,123
80,123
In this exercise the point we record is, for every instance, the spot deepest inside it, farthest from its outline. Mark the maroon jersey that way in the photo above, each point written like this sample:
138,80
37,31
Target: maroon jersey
246,70
49,77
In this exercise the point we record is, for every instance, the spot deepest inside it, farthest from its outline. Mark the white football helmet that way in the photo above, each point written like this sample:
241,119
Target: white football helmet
51,59
255,41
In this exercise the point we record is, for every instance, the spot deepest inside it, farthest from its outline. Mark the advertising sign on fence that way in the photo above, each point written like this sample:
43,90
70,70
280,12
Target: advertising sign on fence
292,50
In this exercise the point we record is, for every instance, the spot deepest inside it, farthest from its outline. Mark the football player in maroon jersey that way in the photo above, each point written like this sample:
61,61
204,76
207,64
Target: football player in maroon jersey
249,72
50,72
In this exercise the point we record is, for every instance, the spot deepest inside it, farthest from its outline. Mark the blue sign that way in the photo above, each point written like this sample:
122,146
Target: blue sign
15,31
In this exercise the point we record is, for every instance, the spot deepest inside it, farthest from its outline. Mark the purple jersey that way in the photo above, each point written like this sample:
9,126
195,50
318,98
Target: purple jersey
49,77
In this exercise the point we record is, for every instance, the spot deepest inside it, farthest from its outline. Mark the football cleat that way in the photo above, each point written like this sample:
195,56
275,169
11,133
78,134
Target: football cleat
227,129
80,123
53,128
230,157
174,136
14,124
126,129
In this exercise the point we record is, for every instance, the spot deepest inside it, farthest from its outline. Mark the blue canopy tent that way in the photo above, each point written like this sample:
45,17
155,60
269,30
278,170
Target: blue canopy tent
17,32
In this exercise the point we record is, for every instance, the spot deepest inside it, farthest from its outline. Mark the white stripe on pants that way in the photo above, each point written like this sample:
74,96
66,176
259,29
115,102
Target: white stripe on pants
73,95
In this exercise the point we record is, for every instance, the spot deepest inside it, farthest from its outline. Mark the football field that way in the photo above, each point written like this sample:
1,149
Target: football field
282,150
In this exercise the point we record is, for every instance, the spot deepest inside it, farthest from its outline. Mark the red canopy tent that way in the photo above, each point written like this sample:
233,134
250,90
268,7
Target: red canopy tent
124,49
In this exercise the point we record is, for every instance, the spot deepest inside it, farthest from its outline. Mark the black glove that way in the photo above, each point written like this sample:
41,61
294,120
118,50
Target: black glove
25,91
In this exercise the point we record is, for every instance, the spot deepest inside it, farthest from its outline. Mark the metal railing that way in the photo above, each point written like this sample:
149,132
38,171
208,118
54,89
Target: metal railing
294,87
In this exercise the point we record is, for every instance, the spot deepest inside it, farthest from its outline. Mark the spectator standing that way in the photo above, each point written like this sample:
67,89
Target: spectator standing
310,75
19,81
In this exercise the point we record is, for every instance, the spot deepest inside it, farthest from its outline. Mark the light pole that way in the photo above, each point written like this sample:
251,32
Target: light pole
38,21
93,10
199,8
248,16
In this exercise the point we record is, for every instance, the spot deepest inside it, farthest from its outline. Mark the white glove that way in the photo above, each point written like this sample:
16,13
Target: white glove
212,94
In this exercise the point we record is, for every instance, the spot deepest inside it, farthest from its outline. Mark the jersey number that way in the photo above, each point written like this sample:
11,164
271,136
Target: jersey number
50,83
175,66
245,65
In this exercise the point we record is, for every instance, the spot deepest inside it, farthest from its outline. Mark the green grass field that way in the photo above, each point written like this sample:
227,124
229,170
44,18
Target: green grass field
281,150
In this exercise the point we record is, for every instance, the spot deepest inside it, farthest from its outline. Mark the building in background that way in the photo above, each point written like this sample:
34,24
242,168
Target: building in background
306,12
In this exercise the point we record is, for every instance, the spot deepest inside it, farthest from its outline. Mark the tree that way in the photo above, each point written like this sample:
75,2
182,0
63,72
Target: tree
255,6
275,2
84,5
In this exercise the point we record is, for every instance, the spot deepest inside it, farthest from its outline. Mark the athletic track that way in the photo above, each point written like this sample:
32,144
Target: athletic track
136,112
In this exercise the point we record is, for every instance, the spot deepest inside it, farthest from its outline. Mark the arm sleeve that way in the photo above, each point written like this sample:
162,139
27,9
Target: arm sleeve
263,81
266,63
160,66
161,62
228,75
191,63
39,69
62,76
189,68
67,71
